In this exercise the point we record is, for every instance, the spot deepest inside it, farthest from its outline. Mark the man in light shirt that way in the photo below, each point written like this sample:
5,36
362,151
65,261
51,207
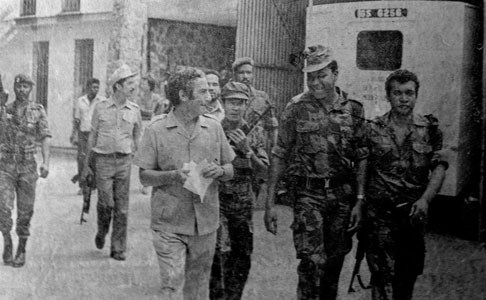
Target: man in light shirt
82,112
214,106
115,131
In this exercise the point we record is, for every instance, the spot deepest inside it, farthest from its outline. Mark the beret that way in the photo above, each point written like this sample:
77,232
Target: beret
23,78
242,61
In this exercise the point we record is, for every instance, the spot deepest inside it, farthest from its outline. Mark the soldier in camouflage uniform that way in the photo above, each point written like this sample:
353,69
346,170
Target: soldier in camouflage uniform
260,109
259,106
25,125
406,167
233,254
318,146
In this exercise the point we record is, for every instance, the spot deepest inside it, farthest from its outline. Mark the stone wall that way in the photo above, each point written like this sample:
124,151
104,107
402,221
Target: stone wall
128,36
172,44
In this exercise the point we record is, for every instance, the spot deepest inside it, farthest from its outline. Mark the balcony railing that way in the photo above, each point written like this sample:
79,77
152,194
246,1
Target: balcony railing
70,5
28,8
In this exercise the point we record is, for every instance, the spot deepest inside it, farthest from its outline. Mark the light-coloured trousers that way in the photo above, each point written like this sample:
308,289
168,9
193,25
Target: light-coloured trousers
185,264
113,183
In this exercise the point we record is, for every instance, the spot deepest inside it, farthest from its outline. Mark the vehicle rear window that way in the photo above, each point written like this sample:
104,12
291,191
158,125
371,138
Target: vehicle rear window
379,50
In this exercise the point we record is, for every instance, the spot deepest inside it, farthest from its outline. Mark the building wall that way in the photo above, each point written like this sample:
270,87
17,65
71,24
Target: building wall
173,43
17,56
54,7
270,31
216,12
119,29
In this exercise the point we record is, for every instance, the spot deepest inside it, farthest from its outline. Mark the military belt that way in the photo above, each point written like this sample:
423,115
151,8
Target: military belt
17,157
313,183
113,155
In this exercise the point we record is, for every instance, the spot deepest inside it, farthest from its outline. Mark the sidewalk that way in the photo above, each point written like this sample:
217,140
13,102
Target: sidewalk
63,263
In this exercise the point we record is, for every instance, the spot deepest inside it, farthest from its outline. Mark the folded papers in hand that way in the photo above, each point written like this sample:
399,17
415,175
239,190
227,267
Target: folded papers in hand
195,181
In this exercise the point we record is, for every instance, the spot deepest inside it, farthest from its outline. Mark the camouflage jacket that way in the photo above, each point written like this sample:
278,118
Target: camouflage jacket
260,105
244,172
321,143
398,171
23,127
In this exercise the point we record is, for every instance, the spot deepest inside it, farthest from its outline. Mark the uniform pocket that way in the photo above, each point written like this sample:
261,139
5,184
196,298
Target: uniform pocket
421,154
306,126
308,136
307,233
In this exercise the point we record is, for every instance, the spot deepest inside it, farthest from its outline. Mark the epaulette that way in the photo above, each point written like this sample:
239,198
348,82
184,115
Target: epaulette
102,102
433,121
133,104
295,99
158,118
379,120
356,103
265,96
210,116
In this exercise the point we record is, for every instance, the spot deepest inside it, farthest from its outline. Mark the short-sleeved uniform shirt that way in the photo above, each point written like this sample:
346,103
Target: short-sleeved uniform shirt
260,104
25,125
166,146
318,142
83,111
402,171
116,128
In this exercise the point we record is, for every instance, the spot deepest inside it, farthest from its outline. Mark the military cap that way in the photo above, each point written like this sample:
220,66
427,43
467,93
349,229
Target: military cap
317,57
122,72
242,61
235,90
23,78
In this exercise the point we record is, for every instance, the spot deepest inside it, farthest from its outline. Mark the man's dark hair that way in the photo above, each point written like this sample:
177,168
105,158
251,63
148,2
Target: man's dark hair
92,81
213,72
150,81
182,80
401,76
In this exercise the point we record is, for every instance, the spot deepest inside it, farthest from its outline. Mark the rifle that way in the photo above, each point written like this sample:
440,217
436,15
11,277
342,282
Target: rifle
252,125
360,253
87,189
88,186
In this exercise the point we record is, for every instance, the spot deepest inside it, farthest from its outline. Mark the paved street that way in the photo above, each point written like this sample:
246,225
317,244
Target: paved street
63,263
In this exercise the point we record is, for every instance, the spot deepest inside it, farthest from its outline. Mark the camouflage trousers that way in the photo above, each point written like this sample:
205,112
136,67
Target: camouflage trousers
17,181
232,258
321,240
395,250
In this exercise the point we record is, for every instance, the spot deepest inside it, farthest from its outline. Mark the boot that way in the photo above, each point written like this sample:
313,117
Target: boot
7,249
19,260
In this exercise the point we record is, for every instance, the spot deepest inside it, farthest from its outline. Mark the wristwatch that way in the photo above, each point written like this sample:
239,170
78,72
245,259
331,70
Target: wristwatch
360,197
249,154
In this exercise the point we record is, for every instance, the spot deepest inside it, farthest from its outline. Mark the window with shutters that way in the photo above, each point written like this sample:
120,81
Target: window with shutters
41,71
379,50
70,5
27,7
83,64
